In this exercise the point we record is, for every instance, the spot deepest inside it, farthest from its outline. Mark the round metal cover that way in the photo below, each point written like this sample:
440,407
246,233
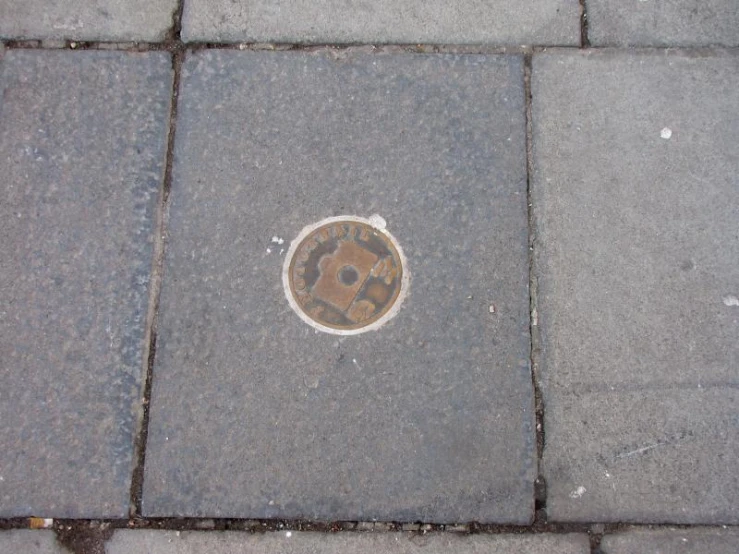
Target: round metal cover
345,275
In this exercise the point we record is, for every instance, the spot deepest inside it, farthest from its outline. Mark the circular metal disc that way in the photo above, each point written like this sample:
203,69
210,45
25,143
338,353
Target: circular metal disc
345,275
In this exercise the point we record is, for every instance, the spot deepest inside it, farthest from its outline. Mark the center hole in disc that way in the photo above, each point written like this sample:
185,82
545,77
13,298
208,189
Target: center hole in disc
348,275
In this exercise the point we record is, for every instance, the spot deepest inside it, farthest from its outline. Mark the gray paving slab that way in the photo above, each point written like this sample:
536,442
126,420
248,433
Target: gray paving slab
695,540
542,22
24,541
256,414
663,22
635,184
172,542
133,20
82,148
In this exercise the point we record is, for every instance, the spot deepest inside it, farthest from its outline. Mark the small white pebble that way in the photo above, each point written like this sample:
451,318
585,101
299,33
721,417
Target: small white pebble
269,250
577,493
731,300
377,221
666,133
288,534
491,309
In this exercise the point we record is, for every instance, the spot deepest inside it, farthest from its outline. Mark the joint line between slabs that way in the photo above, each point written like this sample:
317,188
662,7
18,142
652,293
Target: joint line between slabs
584,38
540,498
174,44
593,529
161,230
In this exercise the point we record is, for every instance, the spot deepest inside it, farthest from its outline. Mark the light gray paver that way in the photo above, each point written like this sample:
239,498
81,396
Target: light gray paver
24,541
255,414
168,542
673,541
635,194
132,20
82,150
543,22
663,22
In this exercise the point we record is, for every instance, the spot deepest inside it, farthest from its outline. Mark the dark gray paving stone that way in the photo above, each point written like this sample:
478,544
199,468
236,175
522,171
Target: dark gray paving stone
82,147
132,20
24,541
498,22
663,22
255,414
673,541
638,263
172,542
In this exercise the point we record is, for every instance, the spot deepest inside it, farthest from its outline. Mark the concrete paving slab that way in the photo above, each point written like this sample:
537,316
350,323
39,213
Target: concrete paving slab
24,541
82,149
542,22
663,23
171,542
257,414
673,541
133,20
637,262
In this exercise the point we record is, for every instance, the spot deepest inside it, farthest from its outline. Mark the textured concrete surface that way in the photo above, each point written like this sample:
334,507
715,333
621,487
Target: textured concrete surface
168,542
635,193
663,22
86,19
255,414
542,22
23,541
82,146
673,541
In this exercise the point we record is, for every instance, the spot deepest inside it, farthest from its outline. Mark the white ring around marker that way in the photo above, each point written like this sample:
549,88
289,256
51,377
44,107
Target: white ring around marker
376,222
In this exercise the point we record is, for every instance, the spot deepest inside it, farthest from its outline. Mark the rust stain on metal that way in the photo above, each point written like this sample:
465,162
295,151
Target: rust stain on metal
345,275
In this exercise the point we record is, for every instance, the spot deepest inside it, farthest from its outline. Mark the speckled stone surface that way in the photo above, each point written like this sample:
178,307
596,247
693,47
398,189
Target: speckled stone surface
167,542
24,541
496,22
82,149
132,20
256,414
673,541
635,196
663,22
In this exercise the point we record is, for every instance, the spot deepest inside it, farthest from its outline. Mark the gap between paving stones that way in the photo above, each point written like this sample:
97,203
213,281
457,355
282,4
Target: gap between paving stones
584,40
137,478
540,486
381,48
90,536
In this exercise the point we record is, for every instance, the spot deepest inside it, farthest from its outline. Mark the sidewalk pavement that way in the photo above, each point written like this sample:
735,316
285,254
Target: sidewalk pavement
556,193
672,541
